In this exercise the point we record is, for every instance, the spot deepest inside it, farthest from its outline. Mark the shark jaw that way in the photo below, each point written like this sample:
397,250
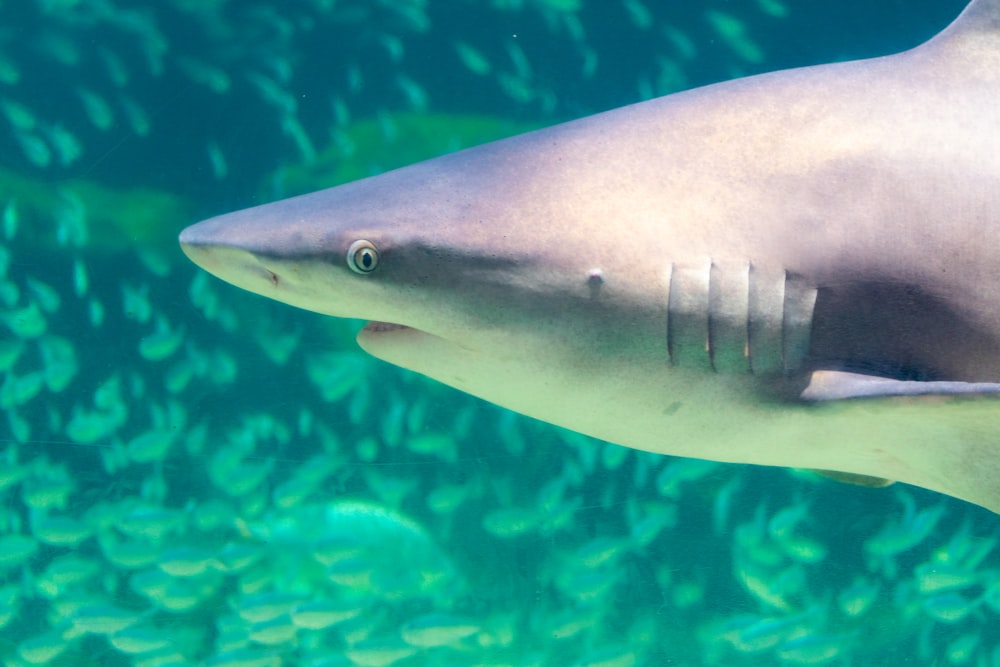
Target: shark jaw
383,327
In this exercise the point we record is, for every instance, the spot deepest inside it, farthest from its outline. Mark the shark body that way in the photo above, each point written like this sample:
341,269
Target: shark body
800,268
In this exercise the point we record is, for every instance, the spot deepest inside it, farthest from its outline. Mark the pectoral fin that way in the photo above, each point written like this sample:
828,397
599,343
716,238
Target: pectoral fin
839,385
940,435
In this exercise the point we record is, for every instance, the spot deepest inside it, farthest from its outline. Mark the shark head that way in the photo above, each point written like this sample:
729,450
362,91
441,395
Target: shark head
462,276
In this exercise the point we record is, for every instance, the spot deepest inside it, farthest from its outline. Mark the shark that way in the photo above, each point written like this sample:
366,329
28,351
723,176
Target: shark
799,268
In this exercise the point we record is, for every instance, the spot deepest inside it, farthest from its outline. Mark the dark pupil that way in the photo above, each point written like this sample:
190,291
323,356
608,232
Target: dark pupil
366,259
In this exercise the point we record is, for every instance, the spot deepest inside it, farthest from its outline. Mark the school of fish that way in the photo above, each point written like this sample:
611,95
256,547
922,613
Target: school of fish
194,477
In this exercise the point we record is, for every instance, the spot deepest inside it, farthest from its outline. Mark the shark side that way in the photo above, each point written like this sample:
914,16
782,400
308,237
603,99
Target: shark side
798,269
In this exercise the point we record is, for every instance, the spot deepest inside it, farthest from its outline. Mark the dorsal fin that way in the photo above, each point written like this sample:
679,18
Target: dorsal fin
980,16
976,33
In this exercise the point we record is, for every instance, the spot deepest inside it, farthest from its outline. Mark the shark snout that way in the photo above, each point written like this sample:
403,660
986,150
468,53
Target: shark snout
203,247
211,232
231,263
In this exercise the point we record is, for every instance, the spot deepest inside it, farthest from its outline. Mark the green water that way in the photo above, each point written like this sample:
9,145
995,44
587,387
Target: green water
192,475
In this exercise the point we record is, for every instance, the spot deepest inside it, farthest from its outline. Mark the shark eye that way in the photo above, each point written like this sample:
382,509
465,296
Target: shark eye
362,256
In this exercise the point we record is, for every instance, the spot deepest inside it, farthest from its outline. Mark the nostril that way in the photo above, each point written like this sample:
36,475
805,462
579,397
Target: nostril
274,277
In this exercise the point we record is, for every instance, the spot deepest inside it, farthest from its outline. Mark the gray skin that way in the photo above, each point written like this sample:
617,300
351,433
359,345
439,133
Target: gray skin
799,269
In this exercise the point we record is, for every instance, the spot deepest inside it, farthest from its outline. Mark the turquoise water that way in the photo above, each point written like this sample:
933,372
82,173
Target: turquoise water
192,475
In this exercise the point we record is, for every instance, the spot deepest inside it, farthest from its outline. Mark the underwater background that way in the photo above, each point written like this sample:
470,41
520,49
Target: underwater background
193,475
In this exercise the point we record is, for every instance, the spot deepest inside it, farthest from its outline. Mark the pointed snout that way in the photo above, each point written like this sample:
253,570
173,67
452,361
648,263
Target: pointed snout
218,246
206,247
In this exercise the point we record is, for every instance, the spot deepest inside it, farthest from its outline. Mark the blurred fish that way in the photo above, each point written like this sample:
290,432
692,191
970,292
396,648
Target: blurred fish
961,649
775,8
609,656
322,614
360,542
18,115
378,652
15,549
81,281
10,73
148,521
235,557
136,116
66,572
472,58
217,160
26,322
934,578
10,222
67,147
140,640
43,648
103,619
162,342
17,391
858,598
909,531
814,648
136,303
510,522
245,657
437,630
202,73
734,34
65,531
186,561
639,14
950,607
759,634
97,109
117,71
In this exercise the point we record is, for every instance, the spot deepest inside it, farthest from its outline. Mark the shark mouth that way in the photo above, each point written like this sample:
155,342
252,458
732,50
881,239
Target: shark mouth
381,327
396,343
